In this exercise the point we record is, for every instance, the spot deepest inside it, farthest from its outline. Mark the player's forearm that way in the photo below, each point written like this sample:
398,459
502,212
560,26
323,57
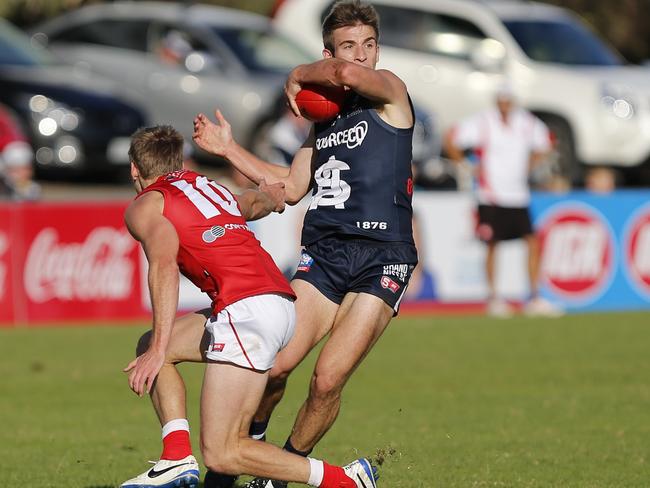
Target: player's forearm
163,288
255,204
324,72
254,168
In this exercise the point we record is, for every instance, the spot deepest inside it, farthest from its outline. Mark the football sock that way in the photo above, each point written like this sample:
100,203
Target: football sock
289,447
176,440
316,471
257,430
335,477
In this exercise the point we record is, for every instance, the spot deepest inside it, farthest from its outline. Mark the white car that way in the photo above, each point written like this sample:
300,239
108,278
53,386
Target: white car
179,59
452,54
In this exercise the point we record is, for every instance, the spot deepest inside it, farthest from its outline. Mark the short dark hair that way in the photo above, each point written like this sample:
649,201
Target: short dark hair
156,150
346,13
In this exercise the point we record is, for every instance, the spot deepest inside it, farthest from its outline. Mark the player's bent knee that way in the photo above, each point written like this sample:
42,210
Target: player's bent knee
283,367
224,461
278,378
143,343
326,386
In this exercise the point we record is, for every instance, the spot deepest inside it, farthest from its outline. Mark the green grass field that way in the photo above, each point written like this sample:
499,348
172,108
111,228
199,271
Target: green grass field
463,402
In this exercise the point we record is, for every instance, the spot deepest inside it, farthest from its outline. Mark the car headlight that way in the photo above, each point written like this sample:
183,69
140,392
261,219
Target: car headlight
49,116
618,101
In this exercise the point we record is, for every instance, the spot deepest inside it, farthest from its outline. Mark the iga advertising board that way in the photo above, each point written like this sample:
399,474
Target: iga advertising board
595,249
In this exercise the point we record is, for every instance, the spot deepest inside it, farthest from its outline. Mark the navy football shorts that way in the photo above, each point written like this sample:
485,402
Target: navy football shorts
336,266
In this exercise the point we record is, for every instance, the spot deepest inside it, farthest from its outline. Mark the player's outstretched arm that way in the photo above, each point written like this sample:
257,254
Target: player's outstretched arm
216,138
159,240
255,204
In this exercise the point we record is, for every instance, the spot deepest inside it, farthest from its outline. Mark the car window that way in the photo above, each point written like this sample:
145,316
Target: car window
124,34
428,32
561,42
16,49
263,51
173,44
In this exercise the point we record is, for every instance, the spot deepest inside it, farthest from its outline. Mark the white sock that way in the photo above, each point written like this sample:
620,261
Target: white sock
258,437
173,425
316,472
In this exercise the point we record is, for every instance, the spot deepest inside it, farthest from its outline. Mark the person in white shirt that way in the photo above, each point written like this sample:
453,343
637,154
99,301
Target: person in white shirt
508,141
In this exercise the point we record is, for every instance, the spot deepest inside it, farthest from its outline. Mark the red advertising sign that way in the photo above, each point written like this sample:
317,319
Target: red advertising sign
7,239
577,252
637,251
71,262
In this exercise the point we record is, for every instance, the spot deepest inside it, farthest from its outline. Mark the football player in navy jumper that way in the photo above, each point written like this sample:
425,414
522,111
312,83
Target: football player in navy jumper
358,245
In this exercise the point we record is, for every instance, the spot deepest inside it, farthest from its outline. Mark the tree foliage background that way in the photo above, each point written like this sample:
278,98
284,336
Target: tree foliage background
624,23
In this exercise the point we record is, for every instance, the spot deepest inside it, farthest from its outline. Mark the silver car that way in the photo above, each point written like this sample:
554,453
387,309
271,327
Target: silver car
179,60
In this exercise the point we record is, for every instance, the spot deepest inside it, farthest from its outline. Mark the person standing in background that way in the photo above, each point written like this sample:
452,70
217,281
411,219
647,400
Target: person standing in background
509,141
16,161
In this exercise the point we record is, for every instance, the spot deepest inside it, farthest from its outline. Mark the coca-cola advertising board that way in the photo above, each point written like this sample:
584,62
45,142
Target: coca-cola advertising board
6,289
72,262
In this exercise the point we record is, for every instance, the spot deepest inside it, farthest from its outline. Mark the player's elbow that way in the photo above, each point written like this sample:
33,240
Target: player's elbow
293,194
291,201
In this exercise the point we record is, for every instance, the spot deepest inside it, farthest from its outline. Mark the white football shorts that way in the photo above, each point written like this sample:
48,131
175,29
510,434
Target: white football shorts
251,331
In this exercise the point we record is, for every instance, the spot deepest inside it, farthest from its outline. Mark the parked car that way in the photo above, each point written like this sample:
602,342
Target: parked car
181,59
452,54
74,120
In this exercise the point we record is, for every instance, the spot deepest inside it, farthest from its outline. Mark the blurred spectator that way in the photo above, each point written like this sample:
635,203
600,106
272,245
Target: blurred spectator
422,285
16,160
174,47
286,136
189,163
600,180
509,141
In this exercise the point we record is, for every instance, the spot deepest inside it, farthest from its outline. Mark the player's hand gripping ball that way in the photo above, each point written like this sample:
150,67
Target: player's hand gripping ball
320,103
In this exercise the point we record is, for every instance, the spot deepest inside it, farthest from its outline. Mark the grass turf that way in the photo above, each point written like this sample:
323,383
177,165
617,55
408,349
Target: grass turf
459,402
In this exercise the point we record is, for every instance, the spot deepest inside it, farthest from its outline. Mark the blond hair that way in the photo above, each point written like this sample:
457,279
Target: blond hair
156,150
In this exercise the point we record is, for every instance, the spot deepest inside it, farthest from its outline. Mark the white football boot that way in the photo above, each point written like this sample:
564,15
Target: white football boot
363,473
182,473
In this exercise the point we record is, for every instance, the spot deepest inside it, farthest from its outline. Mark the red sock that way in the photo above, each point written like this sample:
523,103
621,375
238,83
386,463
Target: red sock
176,445
335,477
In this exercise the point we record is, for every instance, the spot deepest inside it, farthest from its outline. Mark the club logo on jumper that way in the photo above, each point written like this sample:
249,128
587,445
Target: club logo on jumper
389,284
400,271
305,262
218,346
637,250
213,233
577,257
352,137
332,191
